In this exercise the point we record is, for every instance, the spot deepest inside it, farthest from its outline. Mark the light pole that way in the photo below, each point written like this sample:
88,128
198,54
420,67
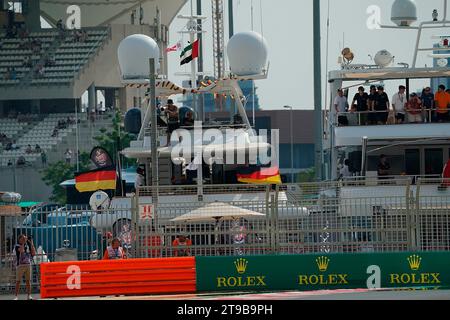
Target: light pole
292,143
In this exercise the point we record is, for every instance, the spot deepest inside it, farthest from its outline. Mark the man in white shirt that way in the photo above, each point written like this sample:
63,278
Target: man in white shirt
68,156
345,171
341,105
398,104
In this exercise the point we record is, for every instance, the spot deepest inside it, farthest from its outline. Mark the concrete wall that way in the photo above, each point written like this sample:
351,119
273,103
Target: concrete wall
28,182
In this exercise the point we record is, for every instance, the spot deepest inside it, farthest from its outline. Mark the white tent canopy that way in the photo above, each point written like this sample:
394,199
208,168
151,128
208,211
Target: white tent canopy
217,211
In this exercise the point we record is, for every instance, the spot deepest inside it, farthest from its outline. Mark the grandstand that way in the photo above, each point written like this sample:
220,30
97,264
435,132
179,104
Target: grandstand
61,59
48,71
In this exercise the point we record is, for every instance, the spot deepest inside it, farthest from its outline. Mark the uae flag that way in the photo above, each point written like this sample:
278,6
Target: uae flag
258,175
189,53
98,179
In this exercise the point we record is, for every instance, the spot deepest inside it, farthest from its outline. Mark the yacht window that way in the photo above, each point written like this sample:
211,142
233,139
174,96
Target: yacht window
434,161
412,162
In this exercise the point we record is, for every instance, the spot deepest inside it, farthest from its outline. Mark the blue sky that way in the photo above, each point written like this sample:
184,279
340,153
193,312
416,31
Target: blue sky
287,27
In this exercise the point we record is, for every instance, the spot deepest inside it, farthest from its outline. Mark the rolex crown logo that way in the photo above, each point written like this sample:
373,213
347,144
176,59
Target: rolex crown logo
322,263
241,265
414,262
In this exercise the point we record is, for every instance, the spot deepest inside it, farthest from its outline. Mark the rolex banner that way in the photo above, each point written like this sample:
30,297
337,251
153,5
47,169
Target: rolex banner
189,53
416,270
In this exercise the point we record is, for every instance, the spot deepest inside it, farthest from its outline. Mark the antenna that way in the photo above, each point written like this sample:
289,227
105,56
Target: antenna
251,9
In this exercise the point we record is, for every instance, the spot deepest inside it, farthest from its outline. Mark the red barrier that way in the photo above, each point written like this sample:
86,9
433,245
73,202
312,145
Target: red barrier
118,277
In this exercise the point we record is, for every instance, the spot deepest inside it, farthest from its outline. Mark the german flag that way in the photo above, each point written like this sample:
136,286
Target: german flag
98,179
258,175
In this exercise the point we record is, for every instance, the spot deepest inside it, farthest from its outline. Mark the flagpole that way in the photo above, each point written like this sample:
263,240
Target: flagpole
193,32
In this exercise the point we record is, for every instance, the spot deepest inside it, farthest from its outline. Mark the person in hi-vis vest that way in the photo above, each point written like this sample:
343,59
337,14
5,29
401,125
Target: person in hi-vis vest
114,251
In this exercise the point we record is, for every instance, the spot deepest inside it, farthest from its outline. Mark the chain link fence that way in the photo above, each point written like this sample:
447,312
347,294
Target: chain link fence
357,215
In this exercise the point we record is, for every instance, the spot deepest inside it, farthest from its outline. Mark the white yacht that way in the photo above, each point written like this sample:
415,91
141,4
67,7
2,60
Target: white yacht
414,151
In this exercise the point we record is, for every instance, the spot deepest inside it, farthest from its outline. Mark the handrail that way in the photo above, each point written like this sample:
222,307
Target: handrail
422,111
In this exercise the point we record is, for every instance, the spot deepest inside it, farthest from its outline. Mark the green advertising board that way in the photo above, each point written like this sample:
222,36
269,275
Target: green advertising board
424,270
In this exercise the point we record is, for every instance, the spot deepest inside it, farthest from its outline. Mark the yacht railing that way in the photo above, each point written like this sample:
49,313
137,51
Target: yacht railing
356,117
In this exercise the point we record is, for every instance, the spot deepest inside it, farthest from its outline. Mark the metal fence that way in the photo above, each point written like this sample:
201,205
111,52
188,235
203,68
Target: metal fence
358,215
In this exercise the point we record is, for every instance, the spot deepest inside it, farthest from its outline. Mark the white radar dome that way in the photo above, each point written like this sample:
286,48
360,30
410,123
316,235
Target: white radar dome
247,53
383,58
134,53
404,12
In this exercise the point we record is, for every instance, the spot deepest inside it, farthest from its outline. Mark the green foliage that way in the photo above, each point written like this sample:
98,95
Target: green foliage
60,171
112,140
307,176
115,140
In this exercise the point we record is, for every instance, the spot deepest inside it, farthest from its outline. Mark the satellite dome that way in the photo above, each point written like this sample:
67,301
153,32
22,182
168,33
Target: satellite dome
247,53
134,53
404,12
383,58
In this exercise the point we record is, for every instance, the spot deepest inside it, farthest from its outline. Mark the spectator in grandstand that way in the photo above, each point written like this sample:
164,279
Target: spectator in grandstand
20,117
70,121
36,46
55,133
43,158
99,108
68,156
59,24
9,163
8,146
21,161
50,61
7,74
84,36
28,149
61,124
181,246
114,251
27,62
23,33
3,137
77,35
14,146
39,71
37,148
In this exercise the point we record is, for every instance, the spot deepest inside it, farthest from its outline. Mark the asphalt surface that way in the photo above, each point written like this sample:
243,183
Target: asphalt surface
361,294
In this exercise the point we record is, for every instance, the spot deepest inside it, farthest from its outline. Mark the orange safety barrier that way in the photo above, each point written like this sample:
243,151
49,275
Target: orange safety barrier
118,277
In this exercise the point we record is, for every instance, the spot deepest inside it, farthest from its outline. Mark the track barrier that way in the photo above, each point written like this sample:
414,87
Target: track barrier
118,277
397,270
405,270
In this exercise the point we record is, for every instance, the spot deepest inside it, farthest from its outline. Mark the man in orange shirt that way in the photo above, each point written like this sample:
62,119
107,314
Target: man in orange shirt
442,102
182,244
